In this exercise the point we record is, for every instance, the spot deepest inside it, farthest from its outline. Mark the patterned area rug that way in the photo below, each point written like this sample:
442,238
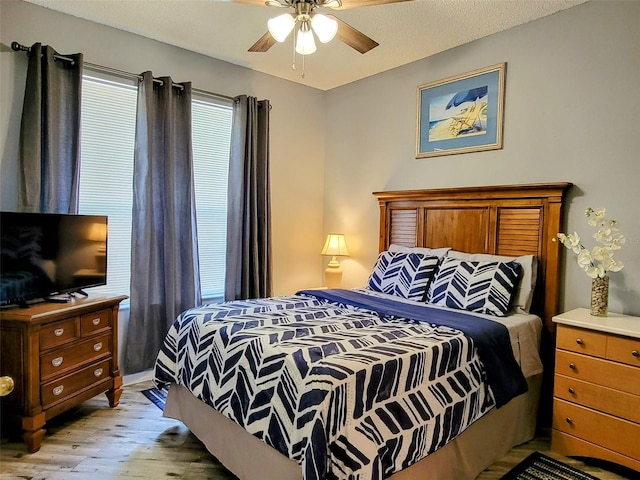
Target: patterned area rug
540,467
157,396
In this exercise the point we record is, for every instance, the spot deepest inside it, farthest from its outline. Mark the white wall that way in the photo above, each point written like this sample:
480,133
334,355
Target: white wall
571,114
295,172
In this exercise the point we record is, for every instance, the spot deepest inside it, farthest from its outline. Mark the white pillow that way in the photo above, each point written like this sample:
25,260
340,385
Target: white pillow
529,263
438,252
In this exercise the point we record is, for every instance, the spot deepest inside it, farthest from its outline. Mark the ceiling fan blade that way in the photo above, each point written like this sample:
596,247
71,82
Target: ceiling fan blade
365,3
352,37
265,42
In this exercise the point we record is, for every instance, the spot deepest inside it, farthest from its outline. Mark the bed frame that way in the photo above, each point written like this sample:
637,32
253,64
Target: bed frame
505,220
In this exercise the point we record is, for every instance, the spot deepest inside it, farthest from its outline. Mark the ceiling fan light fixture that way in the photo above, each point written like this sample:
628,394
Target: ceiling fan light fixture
325,27
305,44
280,27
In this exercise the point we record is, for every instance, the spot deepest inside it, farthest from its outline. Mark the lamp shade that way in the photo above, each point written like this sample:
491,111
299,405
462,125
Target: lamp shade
280,27
325,27
305,44
98,232
335,245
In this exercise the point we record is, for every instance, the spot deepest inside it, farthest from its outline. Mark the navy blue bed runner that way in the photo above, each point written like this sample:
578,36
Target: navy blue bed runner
490,338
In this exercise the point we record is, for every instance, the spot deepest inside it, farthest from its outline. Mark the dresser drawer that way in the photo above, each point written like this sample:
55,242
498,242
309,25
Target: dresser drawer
614,402
598,428
58,333
94,322
581,340
63,388
572,446
60,361
625,350
602,372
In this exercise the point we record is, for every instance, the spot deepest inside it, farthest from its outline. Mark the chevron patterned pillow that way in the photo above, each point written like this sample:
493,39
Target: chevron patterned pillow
483,287
405,275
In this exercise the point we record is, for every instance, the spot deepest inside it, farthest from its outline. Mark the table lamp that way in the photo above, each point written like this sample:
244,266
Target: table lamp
98,233
334,246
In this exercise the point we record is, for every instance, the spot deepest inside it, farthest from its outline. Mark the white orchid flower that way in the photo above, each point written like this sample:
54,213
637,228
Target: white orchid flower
617,240
595,271
615,266
600,253
572,242
584,259
596,217
603,235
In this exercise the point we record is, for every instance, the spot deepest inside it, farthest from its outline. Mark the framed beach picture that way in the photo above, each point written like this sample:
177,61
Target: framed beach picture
461,114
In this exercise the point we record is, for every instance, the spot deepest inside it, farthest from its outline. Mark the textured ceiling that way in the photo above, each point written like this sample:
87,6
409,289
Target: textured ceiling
407,31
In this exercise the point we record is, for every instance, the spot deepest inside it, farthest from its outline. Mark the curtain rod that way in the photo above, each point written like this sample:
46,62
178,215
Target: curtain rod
22,48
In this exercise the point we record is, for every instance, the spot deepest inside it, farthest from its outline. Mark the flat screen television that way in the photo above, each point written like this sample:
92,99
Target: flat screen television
50,256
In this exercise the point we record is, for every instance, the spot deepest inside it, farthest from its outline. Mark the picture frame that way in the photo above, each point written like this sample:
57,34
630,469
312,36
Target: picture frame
461,114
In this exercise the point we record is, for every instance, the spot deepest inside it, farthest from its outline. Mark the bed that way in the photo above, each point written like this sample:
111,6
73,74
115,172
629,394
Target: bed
376,383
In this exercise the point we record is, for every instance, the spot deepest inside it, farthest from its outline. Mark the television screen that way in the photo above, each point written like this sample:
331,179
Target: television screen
50,254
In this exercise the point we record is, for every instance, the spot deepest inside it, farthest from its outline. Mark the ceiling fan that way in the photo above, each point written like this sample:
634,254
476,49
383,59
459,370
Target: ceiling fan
305,21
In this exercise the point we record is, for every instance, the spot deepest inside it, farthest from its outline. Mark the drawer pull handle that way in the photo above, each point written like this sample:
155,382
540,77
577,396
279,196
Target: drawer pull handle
98,346
98,372
56,362
571,391
579,341
96,321
58,331
58,390
635,353
569,421
572,366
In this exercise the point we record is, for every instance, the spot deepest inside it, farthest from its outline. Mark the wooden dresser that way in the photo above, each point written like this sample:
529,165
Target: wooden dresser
596,404
59,355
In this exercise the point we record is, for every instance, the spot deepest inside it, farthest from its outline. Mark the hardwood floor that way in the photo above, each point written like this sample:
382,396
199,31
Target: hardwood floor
133,440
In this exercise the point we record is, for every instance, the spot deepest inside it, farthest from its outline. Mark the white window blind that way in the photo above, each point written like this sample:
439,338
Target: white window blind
106,178
106,170
211,141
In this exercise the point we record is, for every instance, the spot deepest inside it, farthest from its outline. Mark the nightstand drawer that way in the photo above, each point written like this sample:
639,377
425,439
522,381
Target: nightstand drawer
625,350
614,402
60,361
602,372
94,322
581,341
58,333
598,428
58,390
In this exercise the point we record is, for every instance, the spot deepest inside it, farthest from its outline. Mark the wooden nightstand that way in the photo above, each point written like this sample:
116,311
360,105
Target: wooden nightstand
59,355
596,404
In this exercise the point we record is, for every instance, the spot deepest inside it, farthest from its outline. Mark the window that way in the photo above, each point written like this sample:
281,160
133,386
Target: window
106,178
106,170
211,142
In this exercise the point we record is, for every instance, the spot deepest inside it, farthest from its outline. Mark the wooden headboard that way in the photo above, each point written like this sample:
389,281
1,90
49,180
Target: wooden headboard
509,220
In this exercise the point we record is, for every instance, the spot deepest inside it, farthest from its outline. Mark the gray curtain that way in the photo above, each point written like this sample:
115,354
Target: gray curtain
165,279
49,166
249,263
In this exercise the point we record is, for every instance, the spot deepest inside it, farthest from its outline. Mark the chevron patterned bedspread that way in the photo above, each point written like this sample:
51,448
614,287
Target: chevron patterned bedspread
344,391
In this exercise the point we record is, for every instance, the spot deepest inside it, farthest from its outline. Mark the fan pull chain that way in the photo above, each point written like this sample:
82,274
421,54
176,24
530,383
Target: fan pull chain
295,34
293,65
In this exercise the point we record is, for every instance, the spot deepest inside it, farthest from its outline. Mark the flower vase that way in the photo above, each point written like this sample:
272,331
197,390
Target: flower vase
599,296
